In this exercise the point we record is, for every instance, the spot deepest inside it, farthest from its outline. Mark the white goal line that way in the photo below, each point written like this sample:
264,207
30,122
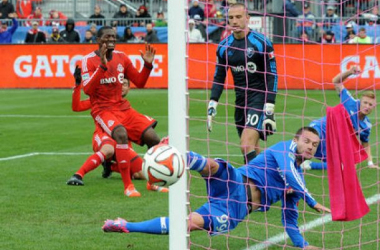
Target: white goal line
312,224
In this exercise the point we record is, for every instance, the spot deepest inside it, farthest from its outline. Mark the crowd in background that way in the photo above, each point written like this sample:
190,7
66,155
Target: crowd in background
306,27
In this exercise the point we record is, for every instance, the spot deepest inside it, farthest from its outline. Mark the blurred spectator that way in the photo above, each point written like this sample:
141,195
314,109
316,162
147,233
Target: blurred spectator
330,18
69,34
89,37
373,17
224,6
114,27
151,36
128,36
5,33
24,8
121,14
290,9
56,18
328,37
196,10
210,9
160,21
349,37
55,37
349,29
306,21
200,26
97,17
35,35
362,37
142,13
94,29
375,14
304,37
36,16
195,35
6,8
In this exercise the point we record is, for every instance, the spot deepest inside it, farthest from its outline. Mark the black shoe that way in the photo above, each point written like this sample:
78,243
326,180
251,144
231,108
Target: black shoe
106,169
75,180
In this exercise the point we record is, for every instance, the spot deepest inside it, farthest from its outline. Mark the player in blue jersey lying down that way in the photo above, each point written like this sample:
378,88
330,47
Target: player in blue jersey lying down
274,175
358,111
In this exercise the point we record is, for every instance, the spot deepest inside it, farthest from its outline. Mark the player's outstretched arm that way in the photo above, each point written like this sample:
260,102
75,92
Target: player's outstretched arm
148,55
320,208
367,148
341,77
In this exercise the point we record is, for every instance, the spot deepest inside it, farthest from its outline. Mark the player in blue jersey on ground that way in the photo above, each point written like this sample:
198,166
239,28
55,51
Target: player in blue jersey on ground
250,57
274,175
358,110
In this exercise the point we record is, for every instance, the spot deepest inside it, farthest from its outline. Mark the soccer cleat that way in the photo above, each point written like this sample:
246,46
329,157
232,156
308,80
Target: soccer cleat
106,169
165,140
75,180
152,187
306,165
131,191
118,226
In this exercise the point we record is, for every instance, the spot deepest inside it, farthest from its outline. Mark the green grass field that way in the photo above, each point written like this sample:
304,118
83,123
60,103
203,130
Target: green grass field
43,143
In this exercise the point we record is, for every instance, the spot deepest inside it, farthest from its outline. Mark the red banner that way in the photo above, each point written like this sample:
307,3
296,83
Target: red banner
299,66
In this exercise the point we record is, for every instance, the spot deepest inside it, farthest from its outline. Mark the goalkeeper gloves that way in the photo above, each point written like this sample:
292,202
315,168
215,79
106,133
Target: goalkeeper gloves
211,113
78,75
269,123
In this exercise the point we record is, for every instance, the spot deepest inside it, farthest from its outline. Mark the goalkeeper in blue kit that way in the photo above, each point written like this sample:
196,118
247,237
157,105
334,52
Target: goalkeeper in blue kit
274,175
250,57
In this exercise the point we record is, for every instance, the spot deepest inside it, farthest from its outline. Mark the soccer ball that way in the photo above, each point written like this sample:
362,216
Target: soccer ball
163,165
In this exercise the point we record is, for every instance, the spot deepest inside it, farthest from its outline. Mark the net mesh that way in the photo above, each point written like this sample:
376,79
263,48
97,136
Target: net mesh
306,64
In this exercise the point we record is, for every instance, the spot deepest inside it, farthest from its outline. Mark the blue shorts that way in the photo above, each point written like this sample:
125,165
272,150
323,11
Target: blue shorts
227,205
320,154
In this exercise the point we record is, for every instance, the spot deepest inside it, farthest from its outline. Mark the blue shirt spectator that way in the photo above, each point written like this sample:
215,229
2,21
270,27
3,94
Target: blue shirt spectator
5,33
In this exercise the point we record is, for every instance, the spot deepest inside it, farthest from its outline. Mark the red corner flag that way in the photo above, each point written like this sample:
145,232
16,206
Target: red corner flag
343,152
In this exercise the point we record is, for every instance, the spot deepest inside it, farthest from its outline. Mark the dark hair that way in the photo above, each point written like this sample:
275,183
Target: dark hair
310,129
101,31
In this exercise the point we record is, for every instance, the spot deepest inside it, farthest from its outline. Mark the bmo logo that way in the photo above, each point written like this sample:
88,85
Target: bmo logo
108,80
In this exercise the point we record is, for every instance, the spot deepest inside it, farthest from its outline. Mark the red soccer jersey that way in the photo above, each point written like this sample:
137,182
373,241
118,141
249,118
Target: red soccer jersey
76,104
104,85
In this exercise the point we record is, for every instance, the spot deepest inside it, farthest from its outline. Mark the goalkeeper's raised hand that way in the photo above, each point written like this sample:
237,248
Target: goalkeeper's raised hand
211,113
269,123
78,75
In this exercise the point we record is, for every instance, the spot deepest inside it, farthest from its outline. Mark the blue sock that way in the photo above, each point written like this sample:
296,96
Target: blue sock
159,225
196,161
318,165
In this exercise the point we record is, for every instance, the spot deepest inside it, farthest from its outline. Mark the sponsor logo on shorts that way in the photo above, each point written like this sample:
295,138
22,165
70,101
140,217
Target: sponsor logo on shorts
110,123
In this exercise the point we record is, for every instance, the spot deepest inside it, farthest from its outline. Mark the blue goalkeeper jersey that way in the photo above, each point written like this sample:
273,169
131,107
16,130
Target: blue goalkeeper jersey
352,105
274,171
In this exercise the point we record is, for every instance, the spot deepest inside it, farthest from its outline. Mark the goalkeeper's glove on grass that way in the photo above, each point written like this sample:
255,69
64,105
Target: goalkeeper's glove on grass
211,113
269,123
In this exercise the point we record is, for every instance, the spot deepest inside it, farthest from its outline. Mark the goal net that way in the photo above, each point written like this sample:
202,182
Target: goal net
312,45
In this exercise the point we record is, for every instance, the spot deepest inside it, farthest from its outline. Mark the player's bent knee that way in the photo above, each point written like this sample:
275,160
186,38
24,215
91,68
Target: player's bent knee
196,221
108,150
151,138
119,134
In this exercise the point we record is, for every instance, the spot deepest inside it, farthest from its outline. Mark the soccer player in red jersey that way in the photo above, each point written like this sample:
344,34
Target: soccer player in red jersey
103,73
102,143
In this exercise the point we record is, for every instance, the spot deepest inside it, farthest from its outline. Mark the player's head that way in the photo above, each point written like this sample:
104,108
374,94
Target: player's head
238,17
125,87
367,102
307,139
106,35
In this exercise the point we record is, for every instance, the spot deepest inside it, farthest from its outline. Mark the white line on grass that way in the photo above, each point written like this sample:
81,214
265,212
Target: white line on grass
42,153
315,223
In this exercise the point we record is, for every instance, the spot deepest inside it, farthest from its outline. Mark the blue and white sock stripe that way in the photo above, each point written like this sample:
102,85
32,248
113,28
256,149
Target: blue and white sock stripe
196,161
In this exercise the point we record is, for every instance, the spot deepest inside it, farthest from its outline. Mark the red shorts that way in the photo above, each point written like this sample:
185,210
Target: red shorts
134,122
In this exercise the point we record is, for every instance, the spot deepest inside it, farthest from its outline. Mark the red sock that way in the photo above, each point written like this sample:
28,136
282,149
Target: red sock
136,162
123,159
91,163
